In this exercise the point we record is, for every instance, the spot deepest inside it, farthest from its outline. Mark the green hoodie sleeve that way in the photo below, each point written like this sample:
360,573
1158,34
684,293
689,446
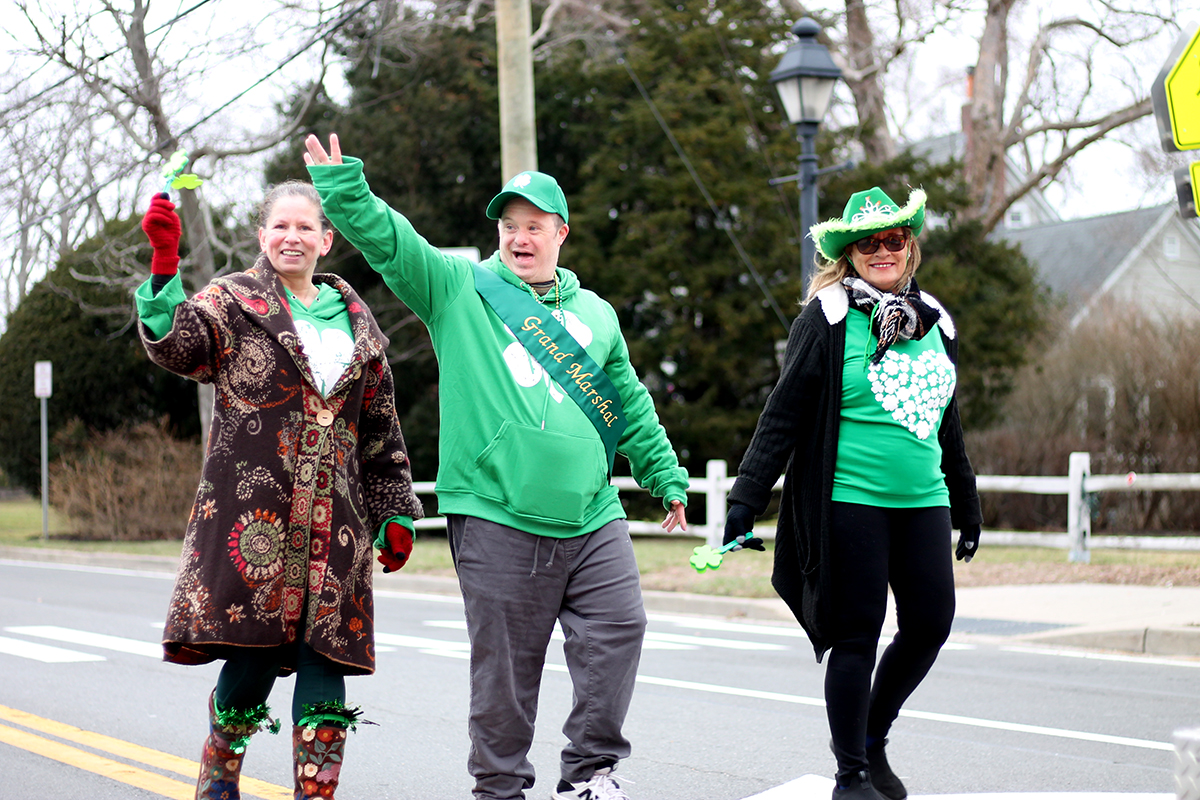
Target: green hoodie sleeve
157,311
425,278
645,442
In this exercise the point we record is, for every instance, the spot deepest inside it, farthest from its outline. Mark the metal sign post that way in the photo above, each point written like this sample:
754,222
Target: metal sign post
42,388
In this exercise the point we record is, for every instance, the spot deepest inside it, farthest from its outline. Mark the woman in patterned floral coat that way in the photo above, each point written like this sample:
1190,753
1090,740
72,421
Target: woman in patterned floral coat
865,422
305,468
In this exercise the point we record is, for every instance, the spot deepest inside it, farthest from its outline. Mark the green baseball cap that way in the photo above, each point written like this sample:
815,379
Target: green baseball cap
536,187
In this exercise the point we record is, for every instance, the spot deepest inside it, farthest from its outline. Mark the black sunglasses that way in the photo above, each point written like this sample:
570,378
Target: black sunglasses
894,244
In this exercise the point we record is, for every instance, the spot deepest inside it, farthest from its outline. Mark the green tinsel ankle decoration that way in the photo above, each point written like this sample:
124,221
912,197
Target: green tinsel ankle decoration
246,722
332,712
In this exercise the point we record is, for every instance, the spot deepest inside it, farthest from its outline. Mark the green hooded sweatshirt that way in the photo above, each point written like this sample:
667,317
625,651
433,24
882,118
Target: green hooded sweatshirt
515,449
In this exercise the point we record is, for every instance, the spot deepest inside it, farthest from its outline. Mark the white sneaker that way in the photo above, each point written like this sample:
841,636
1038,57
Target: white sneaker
602,786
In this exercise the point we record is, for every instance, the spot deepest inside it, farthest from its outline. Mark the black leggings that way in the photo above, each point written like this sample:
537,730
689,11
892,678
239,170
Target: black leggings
249,674
871,547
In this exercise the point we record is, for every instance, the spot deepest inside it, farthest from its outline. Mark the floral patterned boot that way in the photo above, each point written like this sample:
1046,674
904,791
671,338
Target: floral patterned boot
221,761
318,743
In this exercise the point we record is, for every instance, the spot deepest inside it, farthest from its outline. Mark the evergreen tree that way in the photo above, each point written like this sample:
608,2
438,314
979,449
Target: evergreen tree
701,331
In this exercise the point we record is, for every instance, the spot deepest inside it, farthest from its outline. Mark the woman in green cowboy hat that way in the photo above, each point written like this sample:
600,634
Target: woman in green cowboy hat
865,422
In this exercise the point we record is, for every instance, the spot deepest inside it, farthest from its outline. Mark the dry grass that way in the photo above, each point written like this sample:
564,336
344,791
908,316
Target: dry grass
1029,565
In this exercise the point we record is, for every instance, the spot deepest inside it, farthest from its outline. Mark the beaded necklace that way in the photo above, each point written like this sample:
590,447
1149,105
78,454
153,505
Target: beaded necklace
542,298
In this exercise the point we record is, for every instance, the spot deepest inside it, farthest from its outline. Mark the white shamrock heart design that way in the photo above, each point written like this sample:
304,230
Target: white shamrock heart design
328,352
915,392
522,180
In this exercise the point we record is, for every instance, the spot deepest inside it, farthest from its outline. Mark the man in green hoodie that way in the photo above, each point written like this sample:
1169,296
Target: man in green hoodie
537,395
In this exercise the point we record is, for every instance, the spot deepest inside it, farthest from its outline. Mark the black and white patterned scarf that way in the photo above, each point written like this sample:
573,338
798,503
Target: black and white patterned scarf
894,317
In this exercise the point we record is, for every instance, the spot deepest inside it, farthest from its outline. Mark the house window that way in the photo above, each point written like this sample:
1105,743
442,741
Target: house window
1017,219
1171,246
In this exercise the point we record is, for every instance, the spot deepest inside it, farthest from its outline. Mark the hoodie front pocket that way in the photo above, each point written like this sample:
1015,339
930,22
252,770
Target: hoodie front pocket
543,475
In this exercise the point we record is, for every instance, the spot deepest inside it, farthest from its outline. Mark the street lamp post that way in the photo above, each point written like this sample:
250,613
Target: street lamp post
804,79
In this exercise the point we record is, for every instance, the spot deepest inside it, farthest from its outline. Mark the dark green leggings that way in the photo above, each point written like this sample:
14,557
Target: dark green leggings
249,674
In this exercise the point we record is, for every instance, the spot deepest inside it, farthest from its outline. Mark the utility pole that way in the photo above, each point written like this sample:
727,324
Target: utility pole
518,136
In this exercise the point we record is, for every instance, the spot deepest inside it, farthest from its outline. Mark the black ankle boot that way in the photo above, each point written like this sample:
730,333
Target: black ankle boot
855,786
882,777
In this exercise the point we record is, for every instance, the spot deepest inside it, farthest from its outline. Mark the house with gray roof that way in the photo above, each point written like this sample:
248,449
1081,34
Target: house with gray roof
1147,258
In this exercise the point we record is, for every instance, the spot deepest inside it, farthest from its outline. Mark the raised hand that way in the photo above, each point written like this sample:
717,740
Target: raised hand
316,154
164,230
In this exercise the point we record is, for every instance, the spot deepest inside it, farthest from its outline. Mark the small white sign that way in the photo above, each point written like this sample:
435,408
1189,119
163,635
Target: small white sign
42,379
471,253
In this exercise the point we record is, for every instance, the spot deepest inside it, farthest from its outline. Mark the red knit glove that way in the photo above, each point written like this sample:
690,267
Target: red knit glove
399,547
163,229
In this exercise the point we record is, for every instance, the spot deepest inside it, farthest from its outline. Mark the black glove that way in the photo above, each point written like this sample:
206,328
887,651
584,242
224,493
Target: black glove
968,543
739,522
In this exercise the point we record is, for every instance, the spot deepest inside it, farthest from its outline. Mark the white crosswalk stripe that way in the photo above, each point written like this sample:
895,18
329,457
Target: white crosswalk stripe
43,652
89,639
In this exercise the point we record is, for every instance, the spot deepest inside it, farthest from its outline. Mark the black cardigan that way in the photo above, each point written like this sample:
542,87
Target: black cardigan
799,429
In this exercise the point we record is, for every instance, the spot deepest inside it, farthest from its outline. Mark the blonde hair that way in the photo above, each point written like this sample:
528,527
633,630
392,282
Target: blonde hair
831,272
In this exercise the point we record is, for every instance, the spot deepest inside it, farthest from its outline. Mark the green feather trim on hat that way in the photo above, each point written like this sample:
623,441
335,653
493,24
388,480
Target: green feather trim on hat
867,213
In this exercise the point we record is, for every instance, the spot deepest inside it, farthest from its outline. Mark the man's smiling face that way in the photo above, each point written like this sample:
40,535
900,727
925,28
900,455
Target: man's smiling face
529,240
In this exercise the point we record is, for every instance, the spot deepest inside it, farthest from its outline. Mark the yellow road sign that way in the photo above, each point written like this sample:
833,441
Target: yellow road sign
1183,96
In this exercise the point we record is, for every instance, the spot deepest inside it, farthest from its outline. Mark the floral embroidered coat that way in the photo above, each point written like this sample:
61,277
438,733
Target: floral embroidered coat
294,485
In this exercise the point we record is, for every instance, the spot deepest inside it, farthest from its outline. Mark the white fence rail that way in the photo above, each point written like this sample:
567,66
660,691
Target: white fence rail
1078,485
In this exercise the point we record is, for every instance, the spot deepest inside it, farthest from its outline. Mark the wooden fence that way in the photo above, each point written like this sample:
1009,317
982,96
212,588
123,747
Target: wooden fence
1078,485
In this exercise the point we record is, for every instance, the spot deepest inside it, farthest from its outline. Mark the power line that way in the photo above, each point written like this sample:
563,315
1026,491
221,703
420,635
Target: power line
722,222
80,199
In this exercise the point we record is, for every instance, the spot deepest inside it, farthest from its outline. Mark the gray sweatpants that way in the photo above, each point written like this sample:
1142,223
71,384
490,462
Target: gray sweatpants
515,585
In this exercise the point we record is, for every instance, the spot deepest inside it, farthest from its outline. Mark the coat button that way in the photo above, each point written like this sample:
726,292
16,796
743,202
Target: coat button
325,417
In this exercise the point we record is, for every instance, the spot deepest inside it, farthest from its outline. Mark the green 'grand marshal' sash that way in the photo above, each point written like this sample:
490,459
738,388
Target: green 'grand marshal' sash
559,354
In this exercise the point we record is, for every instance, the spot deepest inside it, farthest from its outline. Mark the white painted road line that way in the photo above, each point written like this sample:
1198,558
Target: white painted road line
652,641
435,646
44,652
557,635
818,787
709,641
704,623
1017,727
88,639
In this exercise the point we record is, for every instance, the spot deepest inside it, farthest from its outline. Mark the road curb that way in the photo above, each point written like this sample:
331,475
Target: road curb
91,558
1151,641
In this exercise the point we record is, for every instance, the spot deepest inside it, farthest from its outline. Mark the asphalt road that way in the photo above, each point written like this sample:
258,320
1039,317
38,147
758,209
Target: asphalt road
723,710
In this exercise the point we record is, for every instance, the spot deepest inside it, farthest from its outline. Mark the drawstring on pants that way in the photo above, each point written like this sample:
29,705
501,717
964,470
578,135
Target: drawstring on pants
537,550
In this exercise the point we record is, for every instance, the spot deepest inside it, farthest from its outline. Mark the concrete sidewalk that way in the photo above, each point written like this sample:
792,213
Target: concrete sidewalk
1139,619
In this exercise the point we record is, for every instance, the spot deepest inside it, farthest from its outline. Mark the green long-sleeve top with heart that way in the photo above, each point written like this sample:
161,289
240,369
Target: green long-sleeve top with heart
888,453
798,435
323,328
